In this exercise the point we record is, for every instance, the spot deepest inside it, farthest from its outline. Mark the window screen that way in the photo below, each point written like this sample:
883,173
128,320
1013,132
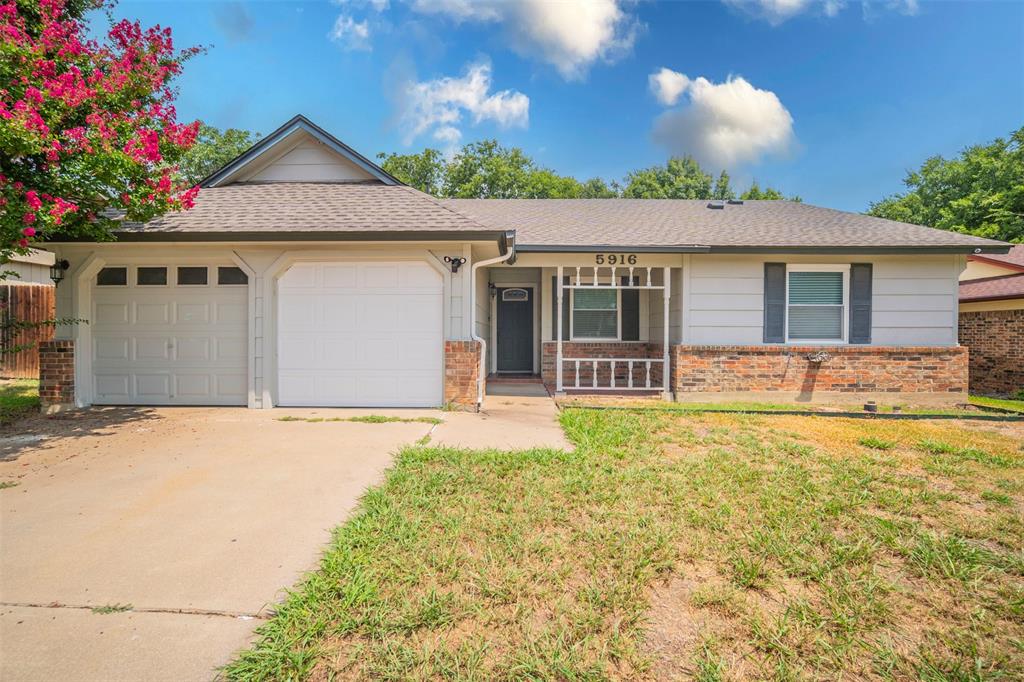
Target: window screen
231,275
151,276
112,277
595,314
192,275
815,305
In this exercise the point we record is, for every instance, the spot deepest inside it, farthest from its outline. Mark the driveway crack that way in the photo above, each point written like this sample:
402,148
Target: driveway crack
243,615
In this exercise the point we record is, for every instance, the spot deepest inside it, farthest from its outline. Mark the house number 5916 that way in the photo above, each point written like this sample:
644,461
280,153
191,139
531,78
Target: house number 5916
615,259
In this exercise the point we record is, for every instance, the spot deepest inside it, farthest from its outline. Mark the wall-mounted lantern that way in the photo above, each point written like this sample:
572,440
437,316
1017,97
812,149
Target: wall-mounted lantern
57,271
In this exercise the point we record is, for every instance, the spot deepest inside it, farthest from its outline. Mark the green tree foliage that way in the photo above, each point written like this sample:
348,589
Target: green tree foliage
214,148
980,192
488,170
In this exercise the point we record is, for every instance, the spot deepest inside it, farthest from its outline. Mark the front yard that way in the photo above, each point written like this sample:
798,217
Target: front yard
17,398
714,546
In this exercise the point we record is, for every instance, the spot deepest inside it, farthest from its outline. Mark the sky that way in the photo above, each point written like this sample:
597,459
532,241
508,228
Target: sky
831,100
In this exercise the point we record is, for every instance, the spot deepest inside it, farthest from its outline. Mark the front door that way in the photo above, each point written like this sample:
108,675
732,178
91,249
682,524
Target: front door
515,329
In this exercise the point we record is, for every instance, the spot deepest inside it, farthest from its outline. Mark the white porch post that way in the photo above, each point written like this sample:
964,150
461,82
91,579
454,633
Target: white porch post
558,351
666,368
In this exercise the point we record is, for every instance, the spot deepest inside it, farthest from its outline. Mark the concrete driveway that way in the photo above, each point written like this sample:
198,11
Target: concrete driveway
195,517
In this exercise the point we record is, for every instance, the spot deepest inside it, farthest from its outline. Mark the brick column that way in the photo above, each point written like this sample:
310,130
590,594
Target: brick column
56,375
461,371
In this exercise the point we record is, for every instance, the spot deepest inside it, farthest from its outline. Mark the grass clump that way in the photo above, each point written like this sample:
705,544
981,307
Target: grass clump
111,608
877,443
364,419
17,398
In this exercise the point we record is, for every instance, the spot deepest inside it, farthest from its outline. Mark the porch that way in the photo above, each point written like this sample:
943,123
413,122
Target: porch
579,328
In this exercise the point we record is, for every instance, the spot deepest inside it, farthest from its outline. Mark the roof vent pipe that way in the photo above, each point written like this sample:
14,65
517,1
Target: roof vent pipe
716,204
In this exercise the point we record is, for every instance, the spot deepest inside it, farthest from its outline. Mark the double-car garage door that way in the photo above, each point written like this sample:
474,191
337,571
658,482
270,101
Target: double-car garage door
348,334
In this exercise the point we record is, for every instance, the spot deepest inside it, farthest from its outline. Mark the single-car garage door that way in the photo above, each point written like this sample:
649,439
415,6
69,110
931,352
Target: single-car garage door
365,334
169,335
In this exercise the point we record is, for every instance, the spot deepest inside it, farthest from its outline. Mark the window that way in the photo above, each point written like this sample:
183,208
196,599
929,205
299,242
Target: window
151,276
595,313
515,295
112,277
231,275
816,299
192,276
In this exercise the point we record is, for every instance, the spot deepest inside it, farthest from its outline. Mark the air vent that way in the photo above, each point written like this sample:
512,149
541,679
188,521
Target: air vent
716,204
736,202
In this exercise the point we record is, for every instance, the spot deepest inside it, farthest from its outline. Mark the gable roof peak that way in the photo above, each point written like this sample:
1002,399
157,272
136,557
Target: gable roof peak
297,123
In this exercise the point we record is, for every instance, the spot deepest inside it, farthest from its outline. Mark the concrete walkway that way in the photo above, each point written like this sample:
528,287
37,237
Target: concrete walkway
195,517
514,417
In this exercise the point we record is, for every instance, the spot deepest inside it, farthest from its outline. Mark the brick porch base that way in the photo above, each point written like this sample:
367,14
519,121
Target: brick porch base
461,371
56,375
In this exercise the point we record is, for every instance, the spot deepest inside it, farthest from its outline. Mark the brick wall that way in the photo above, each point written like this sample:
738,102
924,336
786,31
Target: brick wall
56,374
461,371
603,349
996,342
920,372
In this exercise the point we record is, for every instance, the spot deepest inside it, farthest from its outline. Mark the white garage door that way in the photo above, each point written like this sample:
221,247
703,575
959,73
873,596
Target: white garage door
360,334
169,335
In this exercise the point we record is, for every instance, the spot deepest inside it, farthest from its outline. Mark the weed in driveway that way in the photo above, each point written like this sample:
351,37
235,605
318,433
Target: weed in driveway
112,608
8,484
364,419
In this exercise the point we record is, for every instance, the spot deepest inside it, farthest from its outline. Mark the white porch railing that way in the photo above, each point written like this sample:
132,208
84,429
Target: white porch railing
630,382
636,278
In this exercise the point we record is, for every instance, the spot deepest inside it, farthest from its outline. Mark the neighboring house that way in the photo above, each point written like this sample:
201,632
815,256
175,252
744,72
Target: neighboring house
26,295
307,275
992,320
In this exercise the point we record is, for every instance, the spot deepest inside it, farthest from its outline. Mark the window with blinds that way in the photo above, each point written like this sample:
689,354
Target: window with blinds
815,305
595,314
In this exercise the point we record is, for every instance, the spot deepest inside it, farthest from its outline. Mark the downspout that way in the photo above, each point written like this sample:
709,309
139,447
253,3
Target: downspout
509,255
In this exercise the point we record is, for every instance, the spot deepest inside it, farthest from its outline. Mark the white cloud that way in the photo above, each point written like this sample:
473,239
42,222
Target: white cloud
438,105
569,34
667,85
726,125
776,12
350,34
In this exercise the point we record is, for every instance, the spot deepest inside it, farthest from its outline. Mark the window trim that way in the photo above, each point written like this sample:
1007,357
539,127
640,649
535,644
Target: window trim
215,281
596,339
127,276
177,279
844,316
167,277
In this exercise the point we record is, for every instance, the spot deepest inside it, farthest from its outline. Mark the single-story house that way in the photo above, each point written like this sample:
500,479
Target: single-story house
992,320
306,275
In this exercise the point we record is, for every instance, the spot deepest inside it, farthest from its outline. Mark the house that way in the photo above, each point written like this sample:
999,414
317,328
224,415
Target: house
308,276
26,295
992,320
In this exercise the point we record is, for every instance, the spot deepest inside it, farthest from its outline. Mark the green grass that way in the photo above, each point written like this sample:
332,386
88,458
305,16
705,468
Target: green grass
365,419
8,484
1002,403
111,608
703,545
17,398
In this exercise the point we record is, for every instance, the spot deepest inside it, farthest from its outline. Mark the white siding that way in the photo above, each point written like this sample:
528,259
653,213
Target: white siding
307,160
914,299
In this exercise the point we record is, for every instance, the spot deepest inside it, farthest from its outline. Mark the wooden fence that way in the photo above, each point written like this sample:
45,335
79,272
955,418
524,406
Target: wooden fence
24,303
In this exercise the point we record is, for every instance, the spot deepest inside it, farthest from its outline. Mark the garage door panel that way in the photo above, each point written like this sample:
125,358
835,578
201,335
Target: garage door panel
375,339
170,345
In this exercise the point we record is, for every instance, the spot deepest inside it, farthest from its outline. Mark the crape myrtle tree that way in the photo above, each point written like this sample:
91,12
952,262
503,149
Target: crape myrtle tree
88,130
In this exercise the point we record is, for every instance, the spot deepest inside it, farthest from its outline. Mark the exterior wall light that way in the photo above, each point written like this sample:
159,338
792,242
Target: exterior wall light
57,271
456,263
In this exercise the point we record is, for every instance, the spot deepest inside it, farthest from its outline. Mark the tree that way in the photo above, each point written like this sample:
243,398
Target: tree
212,149
980,192
424,171
679,178
596,188
722,189
85,125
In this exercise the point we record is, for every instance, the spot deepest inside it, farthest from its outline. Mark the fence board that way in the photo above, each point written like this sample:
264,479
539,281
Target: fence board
28,303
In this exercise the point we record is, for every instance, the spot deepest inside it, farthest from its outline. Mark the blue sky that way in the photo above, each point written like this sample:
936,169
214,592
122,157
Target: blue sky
832,100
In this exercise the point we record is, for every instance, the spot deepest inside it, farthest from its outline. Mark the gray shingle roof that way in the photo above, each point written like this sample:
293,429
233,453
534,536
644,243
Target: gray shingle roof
313,207
992,288
679,222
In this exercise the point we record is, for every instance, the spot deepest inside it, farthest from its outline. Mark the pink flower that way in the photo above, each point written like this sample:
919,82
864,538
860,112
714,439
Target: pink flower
28,218
32,199
29,232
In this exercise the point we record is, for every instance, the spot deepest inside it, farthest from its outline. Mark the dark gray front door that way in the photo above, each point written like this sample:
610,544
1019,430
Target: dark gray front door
515,329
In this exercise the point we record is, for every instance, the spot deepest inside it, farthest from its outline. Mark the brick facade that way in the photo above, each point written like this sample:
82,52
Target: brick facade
602,349
996,342
461,372
56,375
927,374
